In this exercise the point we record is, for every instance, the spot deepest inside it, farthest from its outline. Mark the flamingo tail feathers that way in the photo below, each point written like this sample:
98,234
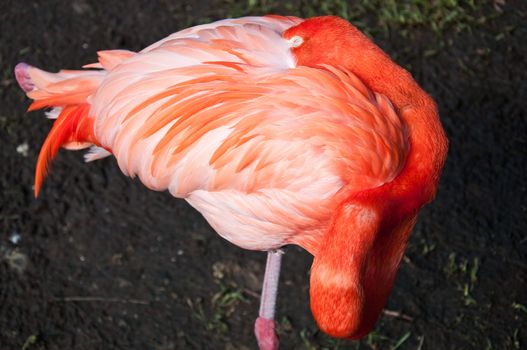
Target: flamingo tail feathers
68,94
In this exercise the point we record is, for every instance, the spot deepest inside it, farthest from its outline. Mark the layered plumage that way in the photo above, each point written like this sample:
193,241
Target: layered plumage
273,143
221,116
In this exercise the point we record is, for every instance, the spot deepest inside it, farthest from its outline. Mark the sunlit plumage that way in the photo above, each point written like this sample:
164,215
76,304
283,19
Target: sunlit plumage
272,142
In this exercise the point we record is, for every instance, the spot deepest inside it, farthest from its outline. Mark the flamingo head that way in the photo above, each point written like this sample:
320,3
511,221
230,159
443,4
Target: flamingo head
326,40
331,40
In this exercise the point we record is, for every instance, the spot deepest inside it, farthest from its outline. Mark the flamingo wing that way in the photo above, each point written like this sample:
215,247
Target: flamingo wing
219,115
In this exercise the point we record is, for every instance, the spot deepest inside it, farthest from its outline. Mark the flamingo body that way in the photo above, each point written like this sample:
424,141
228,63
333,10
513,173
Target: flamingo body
219,115
269,128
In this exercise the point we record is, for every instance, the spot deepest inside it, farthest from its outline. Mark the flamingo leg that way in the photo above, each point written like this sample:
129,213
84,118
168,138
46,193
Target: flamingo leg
265,326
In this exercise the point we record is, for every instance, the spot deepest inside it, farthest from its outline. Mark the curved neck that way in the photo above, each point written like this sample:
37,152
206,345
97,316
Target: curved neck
428,142
357,258
351,49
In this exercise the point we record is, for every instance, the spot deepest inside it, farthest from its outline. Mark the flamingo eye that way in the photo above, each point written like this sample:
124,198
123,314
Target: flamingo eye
296,41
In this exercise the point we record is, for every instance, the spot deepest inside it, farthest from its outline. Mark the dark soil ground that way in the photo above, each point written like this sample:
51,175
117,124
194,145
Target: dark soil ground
100,262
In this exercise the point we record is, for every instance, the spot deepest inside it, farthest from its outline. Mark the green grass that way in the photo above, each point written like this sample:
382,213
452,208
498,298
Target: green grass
464,274
438,15
315,340
375,340
30,341
375,16
518,306
214,312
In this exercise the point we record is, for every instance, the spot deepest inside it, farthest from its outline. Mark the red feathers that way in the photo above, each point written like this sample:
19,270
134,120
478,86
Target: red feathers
72,126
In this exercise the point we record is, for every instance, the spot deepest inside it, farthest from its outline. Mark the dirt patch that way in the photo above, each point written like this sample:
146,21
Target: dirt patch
100,262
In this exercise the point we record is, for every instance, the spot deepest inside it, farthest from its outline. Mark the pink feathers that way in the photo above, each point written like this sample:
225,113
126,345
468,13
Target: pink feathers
279,131
219,114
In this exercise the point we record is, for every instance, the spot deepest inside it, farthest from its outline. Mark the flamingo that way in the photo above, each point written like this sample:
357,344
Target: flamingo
279,130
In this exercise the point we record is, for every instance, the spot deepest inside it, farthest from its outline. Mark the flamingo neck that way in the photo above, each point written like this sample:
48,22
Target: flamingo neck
428,143
357,259
352,50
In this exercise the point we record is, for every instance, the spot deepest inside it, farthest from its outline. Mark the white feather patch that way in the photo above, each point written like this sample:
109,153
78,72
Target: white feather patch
53,113
95,153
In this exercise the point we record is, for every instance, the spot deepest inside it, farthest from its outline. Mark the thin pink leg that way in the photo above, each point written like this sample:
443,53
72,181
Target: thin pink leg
265,326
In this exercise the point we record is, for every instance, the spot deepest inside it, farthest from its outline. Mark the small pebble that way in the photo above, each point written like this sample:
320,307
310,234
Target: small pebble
22,149
15,238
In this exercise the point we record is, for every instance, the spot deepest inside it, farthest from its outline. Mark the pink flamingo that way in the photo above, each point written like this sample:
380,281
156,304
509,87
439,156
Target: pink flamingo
279,131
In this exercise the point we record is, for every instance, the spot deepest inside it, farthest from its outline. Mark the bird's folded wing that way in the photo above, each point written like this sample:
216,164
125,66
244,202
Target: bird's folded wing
216,126
220,113
222,106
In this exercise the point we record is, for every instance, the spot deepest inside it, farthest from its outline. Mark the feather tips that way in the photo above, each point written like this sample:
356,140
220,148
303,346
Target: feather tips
70,126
